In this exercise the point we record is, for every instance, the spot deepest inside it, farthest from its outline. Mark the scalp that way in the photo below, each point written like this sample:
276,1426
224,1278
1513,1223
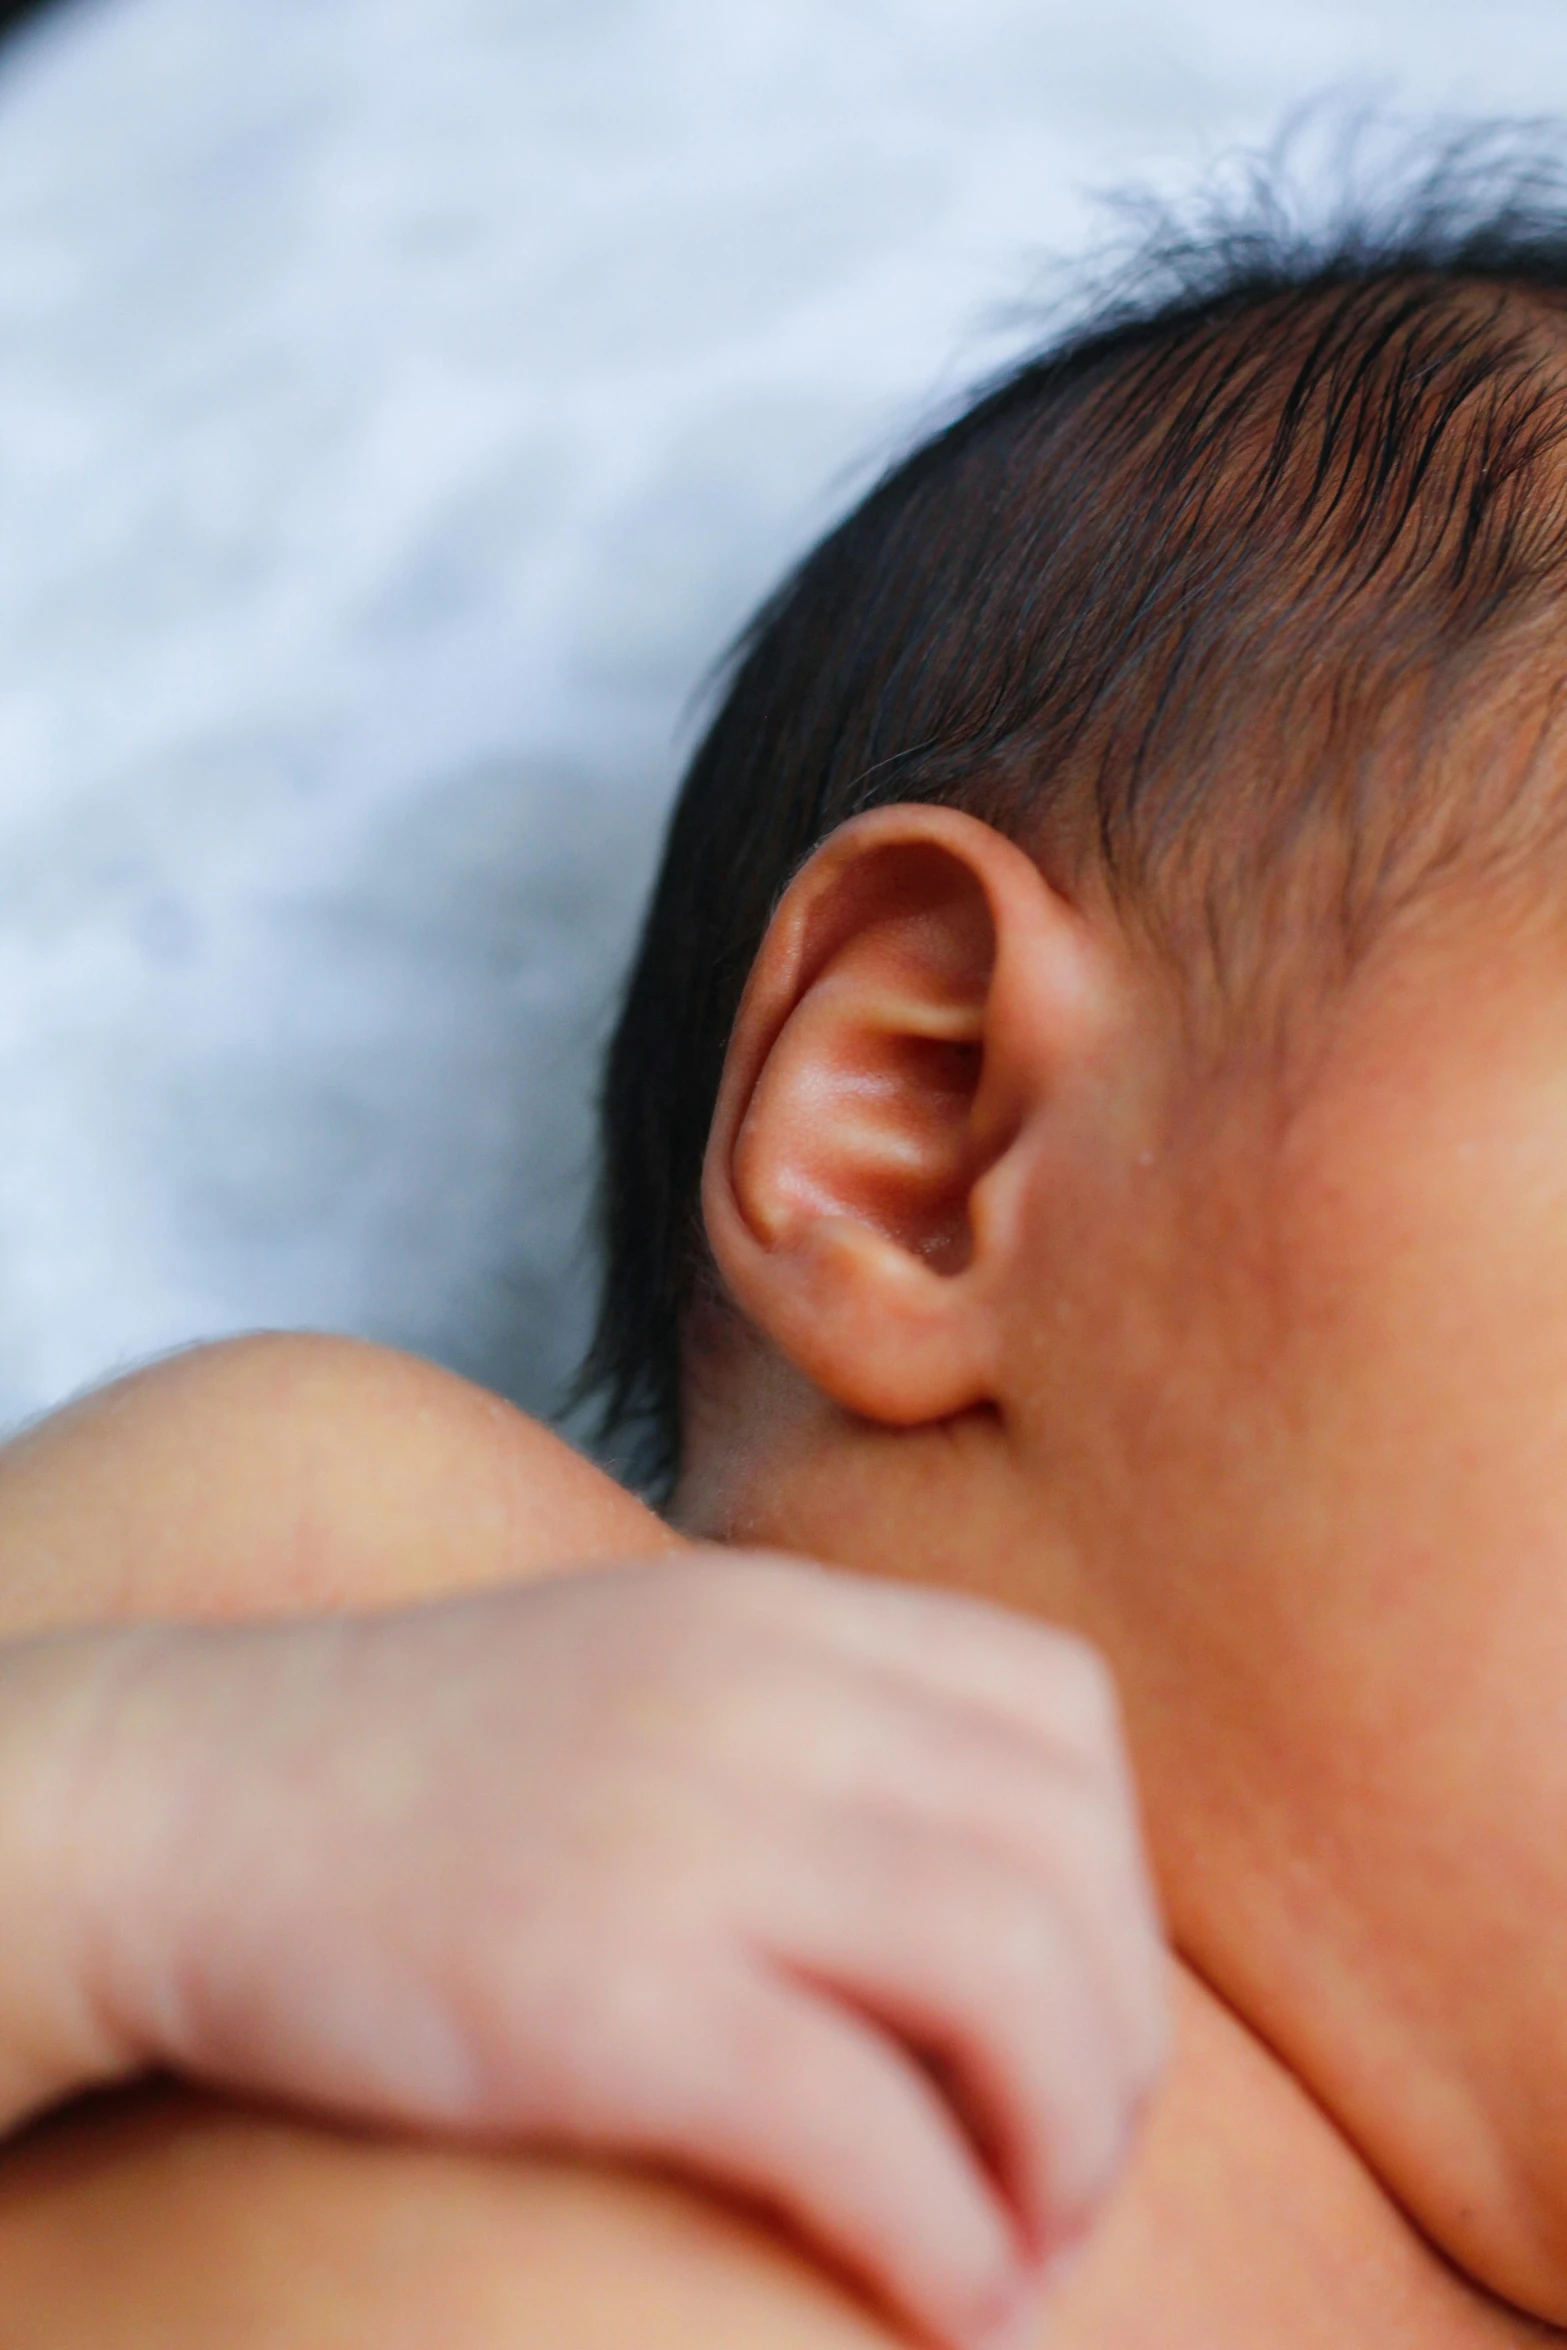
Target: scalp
1239,605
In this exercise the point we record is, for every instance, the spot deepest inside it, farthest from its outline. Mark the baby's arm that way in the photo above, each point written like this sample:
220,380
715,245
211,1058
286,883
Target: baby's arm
686,1861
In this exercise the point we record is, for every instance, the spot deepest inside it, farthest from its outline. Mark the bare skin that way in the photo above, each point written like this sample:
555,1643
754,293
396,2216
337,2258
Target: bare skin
174,2219
277,1475
177,2221
716,1858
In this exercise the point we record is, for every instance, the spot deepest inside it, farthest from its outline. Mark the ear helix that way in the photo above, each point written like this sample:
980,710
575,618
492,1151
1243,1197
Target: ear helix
846,1153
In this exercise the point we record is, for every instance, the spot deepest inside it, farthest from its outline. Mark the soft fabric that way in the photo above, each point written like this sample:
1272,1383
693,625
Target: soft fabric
401,403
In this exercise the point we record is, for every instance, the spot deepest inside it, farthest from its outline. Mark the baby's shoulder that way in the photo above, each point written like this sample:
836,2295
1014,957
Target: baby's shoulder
287,1471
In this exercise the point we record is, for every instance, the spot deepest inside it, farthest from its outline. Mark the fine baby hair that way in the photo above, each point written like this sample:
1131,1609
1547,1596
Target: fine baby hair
1209,602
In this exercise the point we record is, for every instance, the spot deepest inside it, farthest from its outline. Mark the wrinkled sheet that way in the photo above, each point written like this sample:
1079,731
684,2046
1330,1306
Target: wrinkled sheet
401,403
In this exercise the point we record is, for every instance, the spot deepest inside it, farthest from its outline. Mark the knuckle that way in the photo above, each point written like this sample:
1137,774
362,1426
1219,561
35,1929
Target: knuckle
621,2015
1019,1939
1085,1706
1043,1990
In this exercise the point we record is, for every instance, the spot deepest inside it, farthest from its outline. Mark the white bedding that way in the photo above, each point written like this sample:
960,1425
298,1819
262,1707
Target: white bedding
400,403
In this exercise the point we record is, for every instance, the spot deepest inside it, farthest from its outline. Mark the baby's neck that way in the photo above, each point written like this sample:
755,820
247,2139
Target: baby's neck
1246,2218
1253,2216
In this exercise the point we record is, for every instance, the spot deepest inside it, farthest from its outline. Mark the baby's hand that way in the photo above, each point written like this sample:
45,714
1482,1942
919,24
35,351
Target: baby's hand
829,1889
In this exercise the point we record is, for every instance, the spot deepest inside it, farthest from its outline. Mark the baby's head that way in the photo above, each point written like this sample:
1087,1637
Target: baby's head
1111,959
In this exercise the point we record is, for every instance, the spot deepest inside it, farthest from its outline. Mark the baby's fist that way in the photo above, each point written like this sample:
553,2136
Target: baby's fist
827,1888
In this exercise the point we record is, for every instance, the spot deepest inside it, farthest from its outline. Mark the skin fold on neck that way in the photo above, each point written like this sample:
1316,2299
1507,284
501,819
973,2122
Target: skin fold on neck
1249,2215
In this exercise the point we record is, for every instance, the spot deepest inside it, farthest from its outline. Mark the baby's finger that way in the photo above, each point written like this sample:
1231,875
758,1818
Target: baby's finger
881,1750
1074,1838
969,1960
777,2091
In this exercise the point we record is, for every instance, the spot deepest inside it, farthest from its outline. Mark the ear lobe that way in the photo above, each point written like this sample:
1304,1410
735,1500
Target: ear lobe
884,1064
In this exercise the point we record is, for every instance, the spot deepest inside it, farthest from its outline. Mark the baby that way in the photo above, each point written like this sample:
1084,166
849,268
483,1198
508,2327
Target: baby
1089,1126
831,1890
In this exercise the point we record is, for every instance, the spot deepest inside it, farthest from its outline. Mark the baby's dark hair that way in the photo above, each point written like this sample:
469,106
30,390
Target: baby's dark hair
1194,602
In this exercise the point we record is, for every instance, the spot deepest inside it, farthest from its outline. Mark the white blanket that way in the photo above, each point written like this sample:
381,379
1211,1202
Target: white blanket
401,401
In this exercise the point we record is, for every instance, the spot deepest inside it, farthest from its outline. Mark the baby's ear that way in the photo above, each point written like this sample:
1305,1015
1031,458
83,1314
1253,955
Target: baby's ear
920,1003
